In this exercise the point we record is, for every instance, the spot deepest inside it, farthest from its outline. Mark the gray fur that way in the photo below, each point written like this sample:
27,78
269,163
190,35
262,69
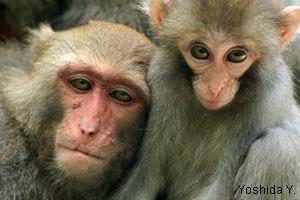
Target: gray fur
63,15
292,58
117,11
292,54
21,15
196,154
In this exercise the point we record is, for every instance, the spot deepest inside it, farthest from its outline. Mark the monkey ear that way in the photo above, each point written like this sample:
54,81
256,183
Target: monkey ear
290,23
157,10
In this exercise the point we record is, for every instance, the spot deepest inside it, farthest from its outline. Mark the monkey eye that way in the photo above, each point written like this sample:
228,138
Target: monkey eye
80,84
199,51
121,96
237,56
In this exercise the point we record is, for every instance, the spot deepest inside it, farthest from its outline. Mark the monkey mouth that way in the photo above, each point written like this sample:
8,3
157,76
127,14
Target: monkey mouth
84,152
213,105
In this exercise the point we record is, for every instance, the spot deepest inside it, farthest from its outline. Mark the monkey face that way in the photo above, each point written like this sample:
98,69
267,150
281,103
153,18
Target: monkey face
100,121
217,64
86,111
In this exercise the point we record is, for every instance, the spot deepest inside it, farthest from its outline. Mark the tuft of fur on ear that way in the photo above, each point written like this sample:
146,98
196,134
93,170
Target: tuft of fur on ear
39,39
157,10
290,23
44,32
144,6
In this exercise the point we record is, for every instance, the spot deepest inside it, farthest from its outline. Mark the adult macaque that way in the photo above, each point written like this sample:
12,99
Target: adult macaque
223,123
72,112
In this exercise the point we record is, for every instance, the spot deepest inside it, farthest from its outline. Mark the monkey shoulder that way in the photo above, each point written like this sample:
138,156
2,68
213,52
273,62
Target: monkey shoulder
280,144
17,172
272,161
19,177
278,149
12,145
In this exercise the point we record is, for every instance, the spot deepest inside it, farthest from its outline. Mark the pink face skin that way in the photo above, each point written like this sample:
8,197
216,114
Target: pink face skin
217,64
97,104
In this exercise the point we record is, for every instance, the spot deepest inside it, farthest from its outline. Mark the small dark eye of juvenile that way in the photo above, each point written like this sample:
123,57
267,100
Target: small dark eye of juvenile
80,84
121,95
237,56
199,52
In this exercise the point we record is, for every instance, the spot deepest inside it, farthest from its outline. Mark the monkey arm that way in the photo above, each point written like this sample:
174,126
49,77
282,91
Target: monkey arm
271,168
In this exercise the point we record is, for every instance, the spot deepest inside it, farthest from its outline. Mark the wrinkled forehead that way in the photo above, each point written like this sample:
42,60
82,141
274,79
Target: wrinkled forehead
103,49
228,16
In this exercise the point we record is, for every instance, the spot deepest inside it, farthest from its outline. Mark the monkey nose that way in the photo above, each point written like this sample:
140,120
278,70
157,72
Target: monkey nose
215,89
87,130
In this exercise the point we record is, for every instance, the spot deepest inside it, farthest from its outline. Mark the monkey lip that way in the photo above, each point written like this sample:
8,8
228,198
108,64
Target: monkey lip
213,104
213,101
84,152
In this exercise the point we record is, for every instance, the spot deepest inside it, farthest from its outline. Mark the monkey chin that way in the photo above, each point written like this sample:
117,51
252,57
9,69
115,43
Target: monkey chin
215,105
212,105
78,165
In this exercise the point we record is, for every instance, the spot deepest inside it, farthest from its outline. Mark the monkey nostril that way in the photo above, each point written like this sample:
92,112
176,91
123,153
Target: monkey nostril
75,106
87,131
82,131
90,133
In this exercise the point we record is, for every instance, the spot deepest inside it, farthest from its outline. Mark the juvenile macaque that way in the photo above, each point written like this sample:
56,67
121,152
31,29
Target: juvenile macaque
73,108
223,121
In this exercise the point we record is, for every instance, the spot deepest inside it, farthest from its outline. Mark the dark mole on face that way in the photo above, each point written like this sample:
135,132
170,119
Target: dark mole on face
76,106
